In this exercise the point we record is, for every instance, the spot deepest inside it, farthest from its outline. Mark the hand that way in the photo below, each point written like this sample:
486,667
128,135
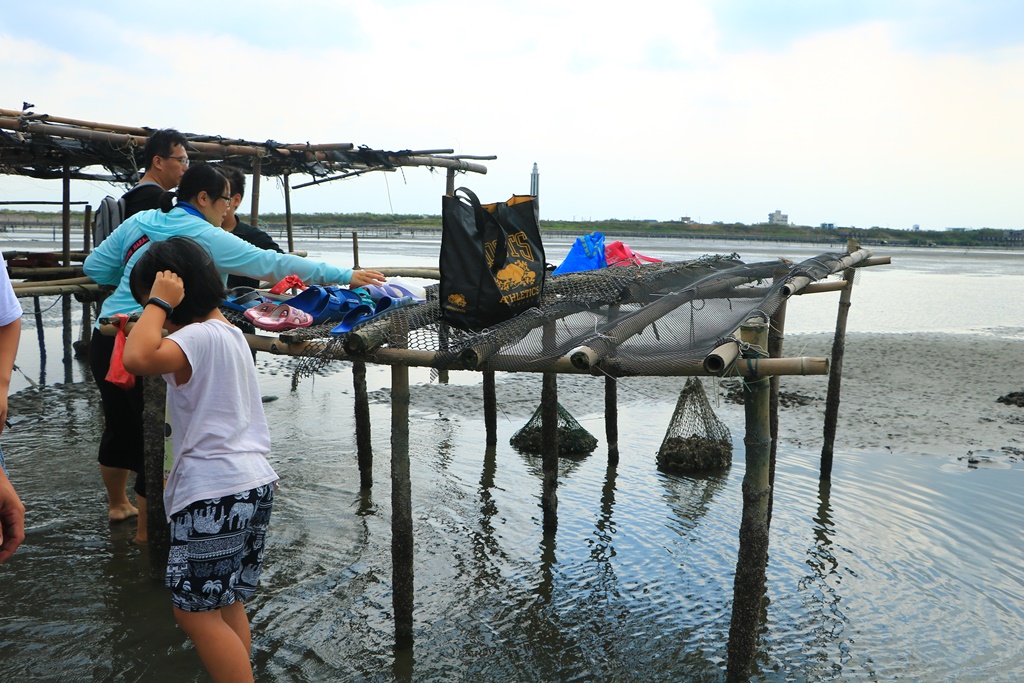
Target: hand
12,519
362,278
169,287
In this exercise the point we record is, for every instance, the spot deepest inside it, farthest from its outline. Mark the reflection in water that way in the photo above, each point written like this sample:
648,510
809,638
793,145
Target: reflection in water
637,585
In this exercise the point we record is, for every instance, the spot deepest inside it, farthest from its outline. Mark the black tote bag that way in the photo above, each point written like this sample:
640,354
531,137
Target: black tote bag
492,259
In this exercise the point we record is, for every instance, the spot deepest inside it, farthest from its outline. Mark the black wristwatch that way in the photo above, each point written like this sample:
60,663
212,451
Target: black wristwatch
157,301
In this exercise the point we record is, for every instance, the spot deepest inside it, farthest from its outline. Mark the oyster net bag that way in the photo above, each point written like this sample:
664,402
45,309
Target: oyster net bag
696,440
573,439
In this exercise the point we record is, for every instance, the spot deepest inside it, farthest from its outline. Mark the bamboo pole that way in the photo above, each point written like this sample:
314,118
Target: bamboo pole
254,200
607,338
47,290
154,415
611,419
65,306
128,140
77,280
490,409
835,377
611,410
752,558
401,509
721,358
364,441
776,337
288,213
86,230
795,284
355,251
549,440
66,215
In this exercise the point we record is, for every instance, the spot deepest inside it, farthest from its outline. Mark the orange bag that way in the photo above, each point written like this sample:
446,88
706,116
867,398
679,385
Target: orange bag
116,374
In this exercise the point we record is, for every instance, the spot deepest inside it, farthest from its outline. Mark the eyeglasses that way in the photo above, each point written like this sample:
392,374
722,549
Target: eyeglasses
227,199
181,159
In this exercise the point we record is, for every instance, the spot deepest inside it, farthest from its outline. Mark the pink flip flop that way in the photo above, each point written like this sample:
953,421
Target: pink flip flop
283,317
260,311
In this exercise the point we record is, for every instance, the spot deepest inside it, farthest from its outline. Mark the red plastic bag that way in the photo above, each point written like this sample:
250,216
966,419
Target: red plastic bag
619,254
116,374
291,281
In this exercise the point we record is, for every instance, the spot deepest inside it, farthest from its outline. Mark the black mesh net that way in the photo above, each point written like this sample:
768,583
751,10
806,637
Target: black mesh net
696,440
653,319
573,439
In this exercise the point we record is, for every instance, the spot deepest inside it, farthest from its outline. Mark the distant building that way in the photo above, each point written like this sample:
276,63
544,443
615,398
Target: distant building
778,218
685,219
828,226
917,228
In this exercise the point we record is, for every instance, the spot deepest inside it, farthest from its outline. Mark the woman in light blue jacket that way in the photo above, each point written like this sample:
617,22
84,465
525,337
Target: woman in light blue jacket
202,201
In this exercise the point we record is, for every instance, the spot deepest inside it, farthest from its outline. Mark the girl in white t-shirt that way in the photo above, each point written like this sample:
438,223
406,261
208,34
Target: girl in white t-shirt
220,490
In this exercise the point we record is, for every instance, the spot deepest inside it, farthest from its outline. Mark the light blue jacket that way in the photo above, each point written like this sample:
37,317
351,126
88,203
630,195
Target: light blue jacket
106,265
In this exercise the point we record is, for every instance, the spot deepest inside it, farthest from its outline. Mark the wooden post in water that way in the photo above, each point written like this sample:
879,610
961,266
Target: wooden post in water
835,376
442,333
549,439
154,414
752,560
87,230
490,409
364,443
254,201
66,216
355,249
288,214
38,315
776,335
611,408
401,509
611,418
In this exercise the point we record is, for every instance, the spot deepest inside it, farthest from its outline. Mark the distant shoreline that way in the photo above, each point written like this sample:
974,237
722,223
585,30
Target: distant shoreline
397,225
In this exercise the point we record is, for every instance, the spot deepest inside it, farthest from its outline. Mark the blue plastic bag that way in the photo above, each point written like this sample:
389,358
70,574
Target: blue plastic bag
587,253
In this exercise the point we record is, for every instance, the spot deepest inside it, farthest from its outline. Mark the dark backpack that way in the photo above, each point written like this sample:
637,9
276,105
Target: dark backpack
110,214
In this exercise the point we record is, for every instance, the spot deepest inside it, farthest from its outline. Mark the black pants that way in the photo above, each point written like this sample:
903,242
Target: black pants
122,442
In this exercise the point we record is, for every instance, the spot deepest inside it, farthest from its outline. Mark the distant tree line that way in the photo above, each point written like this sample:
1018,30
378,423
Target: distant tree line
395,224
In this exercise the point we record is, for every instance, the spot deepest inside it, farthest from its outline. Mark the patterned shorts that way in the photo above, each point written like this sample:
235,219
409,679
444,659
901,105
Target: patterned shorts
217,550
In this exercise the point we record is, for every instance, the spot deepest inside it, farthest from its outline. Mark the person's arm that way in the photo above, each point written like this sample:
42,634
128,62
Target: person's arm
146,351
105,264
12,519
234,255
10,335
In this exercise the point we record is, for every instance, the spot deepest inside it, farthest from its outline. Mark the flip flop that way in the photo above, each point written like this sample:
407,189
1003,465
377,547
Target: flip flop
260,310
283,317
388,303
325,304
352,318
243,298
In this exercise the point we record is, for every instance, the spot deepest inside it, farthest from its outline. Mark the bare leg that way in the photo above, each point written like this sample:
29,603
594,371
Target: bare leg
238,620
142,534
222,651
115,480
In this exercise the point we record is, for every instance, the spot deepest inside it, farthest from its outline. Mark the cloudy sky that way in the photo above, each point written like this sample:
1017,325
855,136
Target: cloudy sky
853,112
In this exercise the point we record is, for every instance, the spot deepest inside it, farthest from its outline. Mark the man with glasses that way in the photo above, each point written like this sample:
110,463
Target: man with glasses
165,159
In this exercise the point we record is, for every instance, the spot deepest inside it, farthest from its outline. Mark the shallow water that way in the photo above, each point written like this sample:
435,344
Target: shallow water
906,567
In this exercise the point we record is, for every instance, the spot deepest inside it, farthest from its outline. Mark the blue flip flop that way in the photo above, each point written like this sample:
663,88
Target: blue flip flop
354,316
325,303
388,303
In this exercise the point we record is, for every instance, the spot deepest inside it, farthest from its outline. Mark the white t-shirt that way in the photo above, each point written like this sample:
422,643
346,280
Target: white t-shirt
218,428
10,307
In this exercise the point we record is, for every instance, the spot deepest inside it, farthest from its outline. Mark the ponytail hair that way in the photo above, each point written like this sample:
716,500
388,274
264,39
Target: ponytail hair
198,178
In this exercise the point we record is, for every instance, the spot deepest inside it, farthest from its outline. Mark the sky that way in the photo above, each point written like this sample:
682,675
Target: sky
863,113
